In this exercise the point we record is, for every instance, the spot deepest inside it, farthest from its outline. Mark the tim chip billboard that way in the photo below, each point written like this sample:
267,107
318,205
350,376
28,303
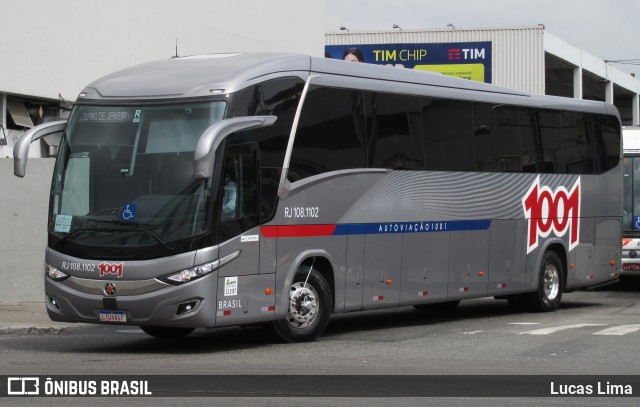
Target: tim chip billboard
468,60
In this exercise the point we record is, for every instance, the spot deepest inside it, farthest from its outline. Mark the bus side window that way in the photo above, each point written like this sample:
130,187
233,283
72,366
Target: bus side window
330,135
607,129
578,143
239,195
497,137
448,135
530,140
394,131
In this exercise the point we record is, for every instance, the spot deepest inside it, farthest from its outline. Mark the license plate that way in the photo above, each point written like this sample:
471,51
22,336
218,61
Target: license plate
113,316
631,266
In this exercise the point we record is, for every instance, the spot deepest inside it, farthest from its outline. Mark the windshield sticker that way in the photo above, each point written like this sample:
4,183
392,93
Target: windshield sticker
63,223
230,286
128,212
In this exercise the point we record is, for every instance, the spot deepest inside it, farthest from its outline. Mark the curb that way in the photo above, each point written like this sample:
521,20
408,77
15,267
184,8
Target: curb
35,330
24,330
30,318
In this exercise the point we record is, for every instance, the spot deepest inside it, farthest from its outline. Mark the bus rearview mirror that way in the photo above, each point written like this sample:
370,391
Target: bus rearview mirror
213,136
21,148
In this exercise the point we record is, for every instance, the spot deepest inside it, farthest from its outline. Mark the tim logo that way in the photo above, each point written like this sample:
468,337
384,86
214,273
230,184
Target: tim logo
552,211
454,54
110,268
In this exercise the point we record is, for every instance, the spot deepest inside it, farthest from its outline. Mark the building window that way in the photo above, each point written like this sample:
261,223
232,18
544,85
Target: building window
19,114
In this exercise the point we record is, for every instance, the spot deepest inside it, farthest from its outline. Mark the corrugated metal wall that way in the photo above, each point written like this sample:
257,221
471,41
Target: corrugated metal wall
517,53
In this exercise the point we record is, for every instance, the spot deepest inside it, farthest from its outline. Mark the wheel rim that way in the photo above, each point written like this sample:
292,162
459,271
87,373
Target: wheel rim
303,305
551,282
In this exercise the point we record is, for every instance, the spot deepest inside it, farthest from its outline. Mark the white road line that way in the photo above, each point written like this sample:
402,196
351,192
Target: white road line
547,331
619,330
472,332
524,323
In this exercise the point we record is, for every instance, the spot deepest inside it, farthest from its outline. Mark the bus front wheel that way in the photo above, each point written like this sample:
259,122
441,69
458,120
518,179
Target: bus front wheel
309,307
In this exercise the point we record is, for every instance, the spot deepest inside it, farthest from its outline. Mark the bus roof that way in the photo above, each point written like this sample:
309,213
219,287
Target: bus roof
205,75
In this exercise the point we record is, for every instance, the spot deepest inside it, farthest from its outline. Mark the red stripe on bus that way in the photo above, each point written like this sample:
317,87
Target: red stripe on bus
297,230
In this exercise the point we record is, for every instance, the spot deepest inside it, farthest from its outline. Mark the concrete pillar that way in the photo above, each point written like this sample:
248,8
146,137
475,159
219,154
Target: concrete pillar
635,110
577,82
608,92
3,110
5,151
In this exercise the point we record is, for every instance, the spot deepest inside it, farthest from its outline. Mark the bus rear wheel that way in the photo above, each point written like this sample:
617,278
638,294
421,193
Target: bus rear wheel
551,282
309,307
163,332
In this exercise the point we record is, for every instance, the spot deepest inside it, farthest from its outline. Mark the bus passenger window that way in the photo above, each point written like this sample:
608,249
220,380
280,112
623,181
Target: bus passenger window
497,137
529,136
394,131
577,143
331,134
551,140
448,135
608,130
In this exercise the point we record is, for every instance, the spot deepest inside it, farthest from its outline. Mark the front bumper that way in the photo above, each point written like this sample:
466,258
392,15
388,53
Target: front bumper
148,302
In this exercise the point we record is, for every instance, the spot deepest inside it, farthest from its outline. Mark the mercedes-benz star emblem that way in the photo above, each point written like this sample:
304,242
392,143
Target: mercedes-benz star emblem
110,289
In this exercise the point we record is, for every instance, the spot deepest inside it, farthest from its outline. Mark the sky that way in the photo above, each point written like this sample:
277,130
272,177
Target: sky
607,29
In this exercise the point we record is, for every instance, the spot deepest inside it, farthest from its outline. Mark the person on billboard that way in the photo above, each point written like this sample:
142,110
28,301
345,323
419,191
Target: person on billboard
353,55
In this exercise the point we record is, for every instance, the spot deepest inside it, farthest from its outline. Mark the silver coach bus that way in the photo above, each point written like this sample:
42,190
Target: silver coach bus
236,189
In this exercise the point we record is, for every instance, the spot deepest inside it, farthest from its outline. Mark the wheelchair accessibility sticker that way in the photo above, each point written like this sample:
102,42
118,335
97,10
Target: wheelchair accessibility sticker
128,212
636,222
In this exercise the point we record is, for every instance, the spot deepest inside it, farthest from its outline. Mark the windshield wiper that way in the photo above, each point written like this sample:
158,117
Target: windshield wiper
78,231
138,226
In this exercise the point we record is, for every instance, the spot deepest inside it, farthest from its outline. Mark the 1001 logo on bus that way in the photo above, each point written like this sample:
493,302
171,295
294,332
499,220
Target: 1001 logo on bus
552,211
110,268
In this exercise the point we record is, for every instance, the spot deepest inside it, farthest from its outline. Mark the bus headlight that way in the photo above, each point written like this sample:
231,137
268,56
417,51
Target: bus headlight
54,273
191,274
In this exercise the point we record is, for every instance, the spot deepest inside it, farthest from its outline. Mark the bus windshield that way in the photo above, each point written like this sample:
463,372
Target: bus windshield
631,221
125,176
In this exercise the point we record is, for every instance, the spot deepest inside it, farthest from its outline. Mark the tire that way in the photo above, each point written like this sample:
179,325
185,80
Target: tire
309,308
162,332
438,306
550,285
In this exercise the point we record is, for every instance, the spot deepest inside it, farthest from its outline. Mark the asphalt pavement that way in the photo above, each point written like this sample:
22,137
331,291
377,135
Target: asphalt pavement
19,318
